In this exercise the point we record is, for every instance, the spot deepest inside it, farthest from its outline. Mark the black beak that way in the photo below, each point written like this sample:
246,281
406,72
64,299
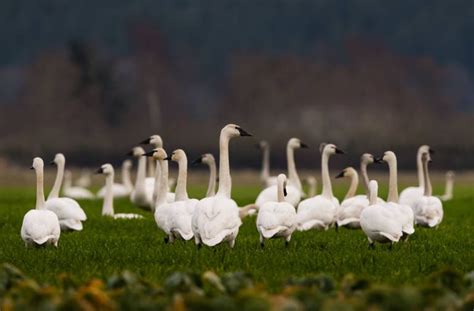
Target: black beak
149,154
339,151
341,174
130,153
52,163
197,161
242,132
303,145
378,160
168,158
99,171
32,168
284,191
431,151
145,142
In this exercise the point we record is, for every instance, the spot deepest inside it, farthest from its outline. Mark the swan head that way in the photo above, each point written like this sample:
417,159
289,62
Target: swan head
178,155
368,158
157,154
389,156
310,180
263,144
330,149
424,148
347,172
106,169
426,157
206,158
296,143
127,164
154,140
450,174
281,180
58,159
136,152
233,130
37,164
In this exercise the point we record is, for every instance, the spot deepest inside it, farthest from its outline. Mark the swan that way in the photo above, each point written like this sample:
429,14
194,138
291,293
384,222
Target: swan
294,187
69,212
312,186
209,160
153,167
216,219
428,209
411,194
175,218
40,226
265,177
448,192
320,212
403,212
75,192
142,194
352,206
108,205
84,180
277,219
378,220
120,190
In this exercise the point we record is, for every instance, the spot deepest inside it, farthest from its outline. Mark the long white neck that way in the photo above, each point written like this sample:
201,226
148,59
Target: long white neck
428,190
39,188
326,179
67,181
293,177
150,167
312,187
156,188
211,188
281,194
141,172
419,168
373,194
181,192
365,177
265,174
353,187
225,180
163,189
108,206
448,191
126,180
58,181
392,181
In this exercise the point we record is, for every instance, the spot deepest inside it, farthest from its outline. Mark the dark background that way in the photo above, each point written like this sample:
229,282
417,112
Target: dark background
93,78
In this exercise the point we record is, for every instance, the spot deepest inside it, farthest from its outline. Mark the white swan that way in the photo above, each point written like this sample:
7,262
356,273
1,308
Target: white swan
294,187
153,168
265,177
216,219
69,212
120,190
428,209
75,192
175,218
352,206
411,194
40,226
108,205
277,219
84,180
142,194
312,186
403,212
209,160
320,212
378,221
448,191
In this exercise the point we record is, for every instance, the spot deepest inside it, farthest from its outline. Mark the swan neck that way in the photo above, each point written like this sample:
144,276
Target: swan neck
265,174
326,179
181,193
126,180
151,167
365,177
54,193
163,188
419,169
39,189
312,189
353,187
392,182
449,187
281,194
225,180
108,206
211,188
428,190
141,171
373,196
293,177
157,176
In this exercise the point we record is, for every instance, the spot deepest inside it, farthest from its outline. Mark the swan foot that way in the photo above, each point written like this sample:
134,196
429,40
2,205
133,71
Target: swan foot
337,227
287,243
371,245
262,245
391,246
166,239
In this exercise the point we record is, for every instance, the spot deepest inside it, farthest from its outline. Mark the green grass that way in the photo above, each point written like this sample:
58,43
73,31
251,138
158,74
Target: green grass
106,247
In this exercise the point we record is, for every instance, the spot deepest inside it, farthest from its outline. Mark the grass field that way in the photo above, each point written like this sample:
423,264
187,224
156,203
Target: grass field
110,246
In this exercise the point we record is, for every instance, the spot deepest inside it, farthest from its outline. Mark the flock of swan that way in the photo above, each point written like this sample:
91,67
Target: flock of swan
282,207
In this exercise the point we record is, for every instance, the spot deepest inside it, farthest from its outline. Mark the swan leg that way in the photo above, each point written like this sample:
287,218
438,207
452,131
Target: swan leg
262,240
371,244
166,239
287,240
391,246
337,227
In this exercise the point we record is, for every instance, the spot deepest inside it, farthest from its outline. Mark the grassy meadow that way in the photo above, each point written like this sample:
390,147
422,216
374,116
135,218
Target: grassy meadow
108,247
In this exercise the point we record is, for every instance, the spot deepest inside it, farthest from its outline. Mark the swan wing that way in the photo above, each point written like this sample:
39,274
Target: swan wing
66,208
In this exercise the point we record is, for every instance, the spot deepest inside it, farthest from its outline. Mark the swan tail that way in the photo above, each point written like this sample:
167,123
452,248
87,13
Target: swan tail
43,240
269,233
311,224
345,222
390,237
218,238
71,224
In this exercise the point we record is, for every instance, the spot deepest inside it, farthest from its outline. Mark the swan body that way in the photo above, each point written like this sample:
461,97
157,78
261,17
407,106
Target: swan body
294,187
277,219
320,212
40,226
378,221
68,211
75,192
216,219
